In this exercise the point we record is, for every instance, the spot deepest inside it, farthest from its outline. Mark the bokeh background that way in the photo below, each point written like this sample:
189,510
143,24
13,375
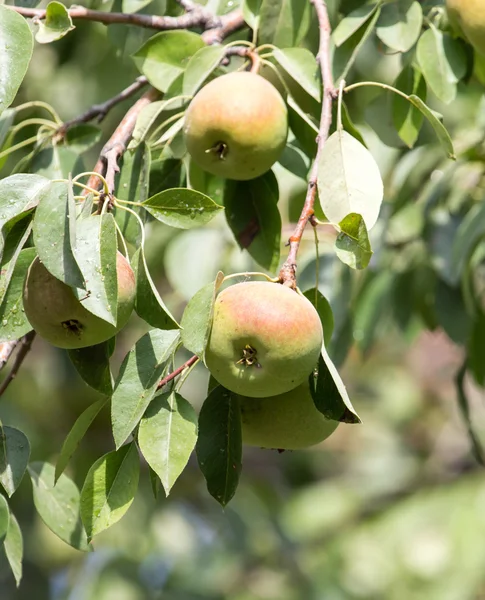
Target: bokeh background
392,509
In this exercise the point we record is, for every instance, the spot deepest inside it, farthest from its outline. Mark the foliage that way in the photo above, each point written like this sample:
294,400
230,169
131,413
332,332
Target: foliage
412,263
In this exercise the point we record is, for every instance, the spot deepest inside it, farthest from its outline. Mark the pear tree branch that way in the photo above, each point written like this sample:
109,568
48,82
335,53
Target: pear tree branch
188,363
287,274
25,345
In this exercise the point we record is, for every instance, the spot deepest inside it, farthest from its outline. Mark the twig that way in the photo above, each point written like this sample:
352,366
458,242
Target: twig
194,18
186,365
244,52
115,147
99,111
287,274
228,24
6,349
25,344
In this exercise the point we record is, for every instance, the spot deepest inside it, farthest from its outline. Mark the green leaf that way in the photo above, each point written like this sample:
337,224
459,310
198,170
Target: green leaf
148,303
200,66
251,10
443,62
74,437
18,195
54,233
14,457
15,53
138,378
82,137
253,216
302,66
435,122
182,208
14,548
464,407
7,118
167,436
4,518
352,244
58,162
133,185
165,55
55,25
17,238
329,393
219,445
13,322
197,318
475,350
470,231
373,303
324,311
109,489
349,180
96,255
283,23
407,118
352,22
58,504
400,24
303,128
92,364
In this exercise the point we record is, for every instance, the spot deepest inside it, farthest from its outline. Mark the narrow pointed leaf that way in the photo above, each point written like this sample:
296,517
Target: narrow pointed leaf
219,445
13,322
16,240
352,22
74,437
109,489
139,375
15,53
58,504
14,457
54,233
435,121
324,311
400,24
14,548
96,255
167,436
302,66
148,303
349,180
408,118
197,318
329,393
4,518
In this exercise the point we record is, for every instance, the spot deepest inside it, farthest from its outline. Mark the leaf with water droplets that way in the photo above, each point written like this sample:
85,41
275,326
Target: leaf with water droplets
182,208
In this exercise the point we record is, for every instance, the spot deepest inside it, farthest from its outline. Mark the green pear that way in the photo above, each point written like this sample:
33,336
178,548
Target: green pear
265,339
59,317
288,421
236,126
468,16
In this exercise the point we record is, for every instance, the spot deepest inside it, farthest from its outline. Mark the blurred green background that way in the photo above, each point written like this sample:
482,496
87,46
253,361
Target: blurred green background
392,509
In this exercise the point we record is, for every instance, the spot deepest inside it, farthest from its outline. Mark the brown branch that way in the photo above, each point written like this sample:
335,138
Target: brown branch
198,17
244,52
6,350
188,363
25,344
287,273
228,24
99,111
115,147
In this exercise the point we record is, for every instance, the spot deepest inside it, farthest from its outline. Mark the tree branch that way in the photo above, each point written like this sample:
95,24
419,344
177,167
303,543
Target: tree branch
99,111
228,24
6,350
195,18
186,365
25,344
287,273
115,147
